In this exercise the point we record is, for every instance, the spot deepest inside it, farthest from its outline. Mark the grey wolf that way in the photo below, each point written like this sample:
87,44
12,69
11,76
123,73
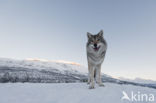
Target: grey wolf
96,49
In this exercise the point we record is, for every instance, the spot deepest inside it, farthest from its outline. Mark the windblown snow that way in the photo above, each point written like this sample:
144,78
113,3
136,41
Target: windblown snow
70,93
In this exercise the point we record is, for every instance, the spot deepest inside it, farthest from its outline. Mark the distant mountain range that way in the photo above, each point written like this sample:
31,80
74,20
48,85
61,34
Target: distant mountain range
43,71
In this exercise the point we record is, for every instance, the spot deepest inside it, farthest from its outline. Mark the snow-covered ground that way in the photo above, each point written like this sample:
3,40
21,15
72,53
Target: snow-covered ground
70,93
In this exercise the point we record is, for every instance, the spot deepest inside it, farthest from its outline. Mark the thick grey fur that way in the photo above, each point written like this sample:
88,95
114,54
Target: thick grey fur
95,57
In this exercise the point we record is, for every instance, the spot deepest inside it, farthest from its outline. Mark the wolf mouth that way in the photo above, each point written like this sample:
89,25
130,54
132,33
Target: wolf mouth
96,48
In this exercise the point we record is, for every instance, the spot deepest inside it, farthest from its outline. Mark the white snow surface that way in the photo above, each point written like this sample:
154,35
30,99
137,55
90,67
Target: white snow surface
67,93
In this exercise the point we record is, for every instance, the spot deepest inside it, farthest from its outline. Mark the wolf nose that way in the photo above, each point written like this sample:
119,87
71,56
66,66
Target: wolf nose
95,45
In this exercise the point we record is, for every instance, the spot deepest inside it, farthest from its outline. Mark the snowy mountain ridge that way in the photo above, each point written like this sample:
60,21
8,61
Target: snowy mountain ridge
139,80
43,64
12,70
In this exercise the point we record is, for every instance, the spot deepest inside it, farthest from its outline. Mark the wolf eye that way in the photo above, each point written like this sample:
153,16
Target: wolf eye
98,39
91,41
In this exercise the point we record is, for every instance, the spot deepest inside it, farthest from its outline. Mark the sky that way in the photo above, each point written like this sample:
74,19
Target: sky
56,30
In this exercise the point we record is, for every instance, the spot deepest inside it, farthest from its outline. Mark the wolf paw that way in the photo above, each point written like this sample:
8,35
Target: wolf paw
91,87
101,85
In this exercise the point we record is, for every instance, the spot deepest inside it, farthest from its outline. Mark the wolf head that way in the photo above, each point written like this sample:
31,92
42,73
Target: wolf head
95,41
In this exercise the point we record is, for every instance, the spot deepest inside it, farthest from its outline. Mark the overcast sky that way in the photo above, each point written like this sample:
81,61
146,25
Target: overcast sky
56,30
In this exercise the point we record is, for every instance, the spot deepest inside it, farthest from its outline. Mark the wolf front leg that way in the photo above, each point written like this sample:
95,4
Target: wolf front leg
89,73
92,84
98,75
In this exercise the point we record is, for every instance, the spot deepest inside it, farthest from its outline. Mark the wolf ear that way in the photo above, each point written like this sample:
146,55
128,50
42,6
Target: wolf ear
101,33
89,35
